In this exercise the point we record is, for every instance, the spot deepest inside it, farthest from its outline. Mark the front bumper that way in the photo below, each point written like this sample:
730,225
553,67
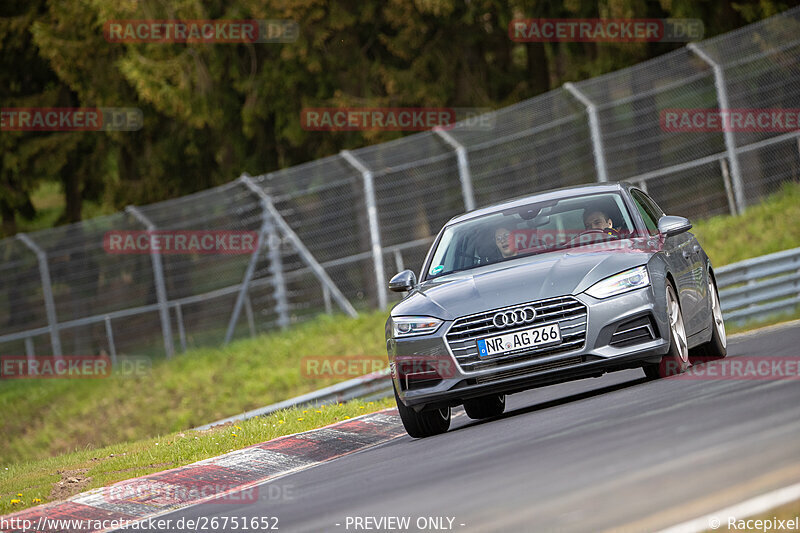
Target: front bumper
596,356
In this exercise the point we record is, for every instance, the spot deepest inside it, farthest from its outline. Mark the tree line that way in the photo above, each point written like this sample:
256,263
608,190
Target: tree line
213,111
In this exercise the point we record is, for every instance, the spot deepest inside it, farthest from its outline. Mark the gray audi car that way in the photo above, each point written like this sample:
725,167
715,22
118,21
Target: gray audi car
563,285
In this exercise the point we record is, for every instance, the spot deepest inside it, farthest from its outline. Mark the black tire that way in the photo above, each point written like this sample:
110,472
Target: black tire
485,406
717,346
425,423
676,360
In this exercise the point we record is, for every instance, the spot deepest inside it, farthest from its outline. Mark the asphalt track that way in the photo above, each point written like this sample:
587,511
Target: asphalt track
612,453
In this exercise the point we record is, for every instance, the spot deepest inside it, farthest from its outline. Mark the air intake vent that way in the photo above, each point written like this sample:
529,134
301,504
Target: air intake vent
634,331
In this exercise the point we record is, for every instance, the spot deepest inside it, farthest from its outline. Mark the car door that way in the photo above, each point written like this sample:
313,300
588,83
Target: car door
682,253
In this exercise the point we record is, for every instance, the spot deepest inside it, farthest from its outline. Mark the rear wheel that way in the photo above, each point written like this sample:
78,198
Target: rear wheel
676,360
485,406
425,423
717,346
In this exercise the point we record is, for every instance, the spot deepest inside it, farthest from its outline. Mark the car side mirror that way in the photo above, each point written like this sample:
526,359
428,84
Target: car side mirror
404,281
672,225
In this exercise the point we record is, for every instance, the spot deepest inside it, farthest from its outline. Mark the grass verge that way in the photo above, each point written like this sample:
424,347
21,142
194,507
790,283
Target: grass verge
46,417
32,483
768,227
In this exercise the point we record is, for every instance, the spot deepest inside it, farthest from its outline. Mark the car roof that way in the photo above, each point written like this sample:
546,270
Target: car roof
552,194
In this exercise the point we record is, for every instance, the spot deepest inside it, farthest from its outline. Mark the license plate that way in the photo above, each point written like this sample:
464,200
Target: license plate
525,339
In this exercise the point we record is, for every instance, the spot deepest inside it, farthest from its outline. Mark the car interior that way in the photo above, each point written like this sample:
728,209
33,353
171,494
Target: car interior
533,228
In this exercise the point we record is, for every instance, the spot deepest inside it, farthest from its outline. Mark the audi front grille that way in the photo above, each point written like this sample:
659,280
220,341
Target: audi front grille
569,313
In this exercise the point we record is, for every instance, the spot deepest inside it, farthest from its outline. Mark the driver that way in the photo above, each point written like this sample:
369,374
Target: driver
502,239
599,220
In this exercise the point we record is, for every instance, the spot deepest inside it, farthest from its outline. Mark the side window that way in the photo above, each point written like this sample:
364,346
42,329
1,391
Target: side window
650,203
649,215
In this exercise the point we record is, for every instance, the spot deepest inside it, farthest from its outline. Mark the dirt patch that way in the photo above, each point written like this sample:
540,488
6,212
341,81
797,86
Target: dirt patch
72,482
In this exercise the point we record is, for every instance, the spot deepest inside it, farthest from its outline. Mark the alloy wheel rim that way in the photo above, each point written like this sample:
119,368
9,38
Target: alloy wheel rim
676,326
716,313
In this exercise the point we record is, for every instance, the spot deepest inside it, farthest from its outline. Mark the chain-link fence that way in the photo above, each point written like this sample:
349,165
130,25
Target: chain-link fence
333,230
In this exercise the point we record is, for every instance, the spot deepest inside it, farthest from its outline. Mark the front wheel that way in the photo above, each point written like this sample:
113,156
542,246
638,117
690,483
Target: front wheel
676,360
717,346
485,406
425,423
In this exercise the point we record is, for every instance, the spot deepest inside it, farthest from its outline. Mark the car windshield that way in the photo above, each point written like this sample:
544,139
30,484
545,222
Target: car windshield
531,229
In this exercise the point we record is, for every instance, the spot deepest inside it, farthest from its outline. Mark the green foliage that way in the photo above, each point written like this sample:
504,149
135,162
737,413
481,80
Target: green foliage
768,227
212,111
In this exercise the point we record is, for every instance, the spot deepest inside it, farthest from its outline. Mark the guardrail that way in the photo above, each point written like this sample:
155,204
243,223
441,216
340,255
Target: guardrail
765,285
377,385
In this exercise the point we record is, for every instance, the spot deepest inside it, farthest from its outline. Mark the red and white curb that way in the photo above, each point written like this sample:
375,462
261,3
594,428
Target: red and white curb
232,478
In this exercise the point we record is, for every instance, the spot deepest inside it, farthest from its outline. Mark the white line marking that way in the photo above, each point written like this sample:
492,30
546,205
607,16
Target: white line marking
750,507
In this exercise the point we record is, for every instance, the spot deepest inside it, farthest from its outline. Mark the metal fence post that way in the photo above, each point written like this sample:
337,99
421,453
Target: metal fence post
47,292
594,130
726,181
112,348
374,228
266,236
29,349
158,275
797,271
307,257
326,298
276,272
463,168
181,329
248,313
398,260
730,142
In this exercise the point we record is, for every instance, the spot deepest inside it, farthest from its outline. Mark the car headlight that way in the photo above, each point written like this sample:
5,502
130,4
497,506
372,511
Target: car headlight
407,326
635,278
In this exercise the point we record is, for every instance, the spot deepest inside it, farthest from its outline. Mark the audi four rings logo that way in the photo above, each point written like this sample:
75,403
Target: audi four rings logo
514,317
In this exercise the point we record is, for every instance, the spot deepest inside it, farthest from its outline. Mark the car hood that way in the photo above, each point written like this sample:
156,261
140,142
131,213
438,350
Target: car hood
514,282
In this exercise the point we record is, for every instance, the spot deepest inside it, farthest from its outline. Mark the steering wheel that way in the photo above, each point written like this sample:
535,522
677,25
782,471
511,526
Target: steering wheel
590,232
